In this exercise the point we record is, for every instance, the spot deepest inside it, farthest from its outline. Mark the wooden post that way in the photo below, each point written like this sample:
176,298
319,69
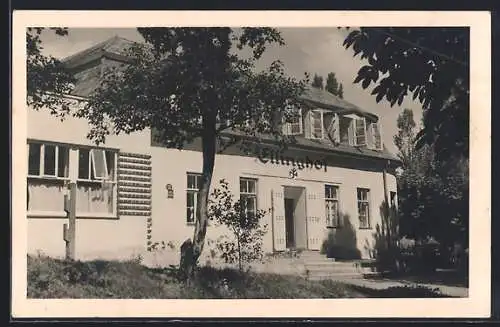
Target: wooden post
69,230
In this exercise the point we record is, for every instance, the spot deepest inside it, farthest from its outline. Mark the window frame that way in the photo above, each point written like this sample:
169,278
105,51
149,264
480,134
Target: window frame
336,199
311,124
355,127
287,126
247,194
71,166
41,161
195,193
367,202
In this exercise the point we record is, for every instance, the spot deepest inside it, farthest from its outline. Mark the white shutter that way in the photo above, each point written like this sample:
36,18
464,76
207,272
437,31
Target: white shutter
307,124
370,140
377,139
279,230
316,217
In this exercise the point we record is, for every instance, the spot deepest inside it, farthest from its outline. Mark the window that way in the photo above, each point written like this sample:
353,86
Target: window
346,131
48,173
360,131
248,196
316,124
331,124
332,206
96,183
364,208
193,187
294,124
48,160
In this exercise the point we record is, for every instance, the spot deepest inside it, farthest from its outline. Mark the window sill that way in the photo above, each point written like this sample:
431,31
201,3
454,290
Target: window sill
62,214
367,228
333,227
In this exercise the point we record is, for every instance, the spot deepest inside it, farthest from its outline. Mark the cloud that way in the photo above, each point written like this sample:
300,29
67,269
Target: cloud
312,50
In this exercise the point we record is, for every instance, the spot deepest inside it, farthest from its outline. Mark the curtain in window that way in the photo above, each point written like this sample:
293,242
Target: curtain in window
46,196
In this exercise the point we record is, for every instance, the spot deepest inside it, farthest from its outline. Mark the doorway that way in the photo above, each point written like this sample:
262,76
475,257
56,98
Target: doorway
295,217
289,222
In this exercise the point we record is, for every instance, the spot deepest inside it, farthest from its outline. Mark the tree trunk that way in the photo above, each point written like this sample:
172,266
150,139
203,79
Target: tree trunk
192,250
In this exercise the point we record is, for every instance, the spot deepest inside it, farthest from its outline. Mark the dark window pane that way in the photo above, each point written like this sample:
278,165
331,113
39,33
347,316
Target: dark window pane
63,160
110,161
50,160
34,159
83,164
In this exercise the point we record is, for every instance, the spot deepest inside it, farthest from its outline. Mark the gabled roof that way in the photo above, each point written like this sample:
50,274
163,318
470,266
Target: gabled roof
114,47
326,100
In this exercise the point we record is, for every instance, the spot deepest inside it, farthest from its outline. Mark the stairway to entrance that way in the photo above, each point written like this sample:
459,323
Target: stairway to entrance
318,267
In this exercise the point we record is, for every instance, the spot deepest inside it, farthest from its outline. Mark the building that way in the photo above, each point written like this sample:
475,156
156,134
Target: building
333,180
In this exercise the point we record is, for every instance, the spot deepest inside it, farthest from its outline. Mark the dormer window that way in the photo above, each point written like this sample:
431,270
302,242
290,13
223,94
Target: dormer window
360,131
316,122
294,124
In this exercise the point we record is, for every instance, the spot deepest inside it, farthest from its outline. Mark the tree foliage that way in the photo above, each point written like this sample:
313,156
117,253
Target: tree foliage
428,64
317,82
433,193
244,245
405,137
333,86
47,79
186,83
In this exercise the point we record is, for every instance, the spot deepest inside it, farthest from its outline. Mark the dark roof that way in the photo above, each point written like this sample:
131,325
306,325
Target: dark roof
326,100
114,47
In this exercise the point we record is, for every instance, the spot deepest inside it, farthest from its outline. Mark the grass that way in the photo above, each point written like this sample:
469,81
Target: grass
53,278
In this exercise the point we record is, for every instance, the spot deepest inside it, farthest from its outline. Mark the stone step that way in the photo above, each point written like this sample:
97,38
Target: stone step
334,276
331,268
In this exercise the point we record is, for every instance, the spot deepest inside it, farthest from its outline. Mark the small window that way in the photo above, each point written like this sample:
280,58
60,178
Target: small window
83,164
332,206
63,161
294,124
364,208
95,164
34,159
49,162
360,132
316,124
346,131
248,196
193,187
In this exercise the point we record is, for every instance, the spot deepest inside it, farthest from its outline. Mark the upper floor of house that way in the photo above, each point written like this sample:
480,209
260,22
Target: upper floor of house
323,120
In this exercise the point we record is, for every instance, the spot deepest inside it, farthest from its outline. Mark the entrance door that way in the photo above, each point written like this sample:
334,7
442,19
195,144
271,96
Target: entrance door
289,223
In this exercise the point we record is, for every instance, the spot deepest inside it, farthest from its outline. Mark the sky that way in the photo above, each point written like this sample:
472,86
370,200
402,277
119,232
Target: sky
312,50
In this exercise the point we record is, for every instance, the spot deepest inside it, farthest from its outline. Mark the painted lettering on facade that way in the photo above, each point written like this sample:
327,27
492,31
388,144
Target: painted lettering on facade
276,157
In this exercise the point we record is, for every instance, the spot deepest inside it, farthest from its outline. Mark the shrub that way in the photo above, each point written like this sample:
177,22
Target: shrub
245,243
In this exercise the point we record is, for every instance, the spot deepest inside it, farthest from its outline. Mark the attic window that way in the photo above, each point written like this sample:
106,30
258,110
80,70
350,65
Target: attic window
294,124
